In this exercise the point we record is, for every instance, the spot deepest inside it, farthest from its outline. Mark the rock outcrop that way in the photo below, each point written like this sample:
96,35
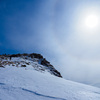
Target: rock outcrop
25,60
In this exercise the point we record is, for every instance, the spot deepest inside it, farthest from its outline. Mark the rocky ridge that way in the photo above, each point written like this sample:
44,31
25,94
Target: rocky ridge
32,61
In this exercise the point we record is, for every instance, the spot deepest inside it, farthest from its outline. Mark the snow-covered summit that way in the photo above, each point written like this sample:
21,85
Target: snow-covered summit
28,61
19,81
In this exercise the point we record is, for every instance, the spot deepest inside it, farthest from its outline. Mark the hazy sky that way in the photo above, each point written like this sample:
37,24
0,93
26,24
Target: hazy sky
66,32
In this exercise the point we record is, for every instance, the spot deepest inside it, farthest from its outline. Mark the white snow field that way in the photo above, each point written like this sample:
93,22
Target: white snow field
28,84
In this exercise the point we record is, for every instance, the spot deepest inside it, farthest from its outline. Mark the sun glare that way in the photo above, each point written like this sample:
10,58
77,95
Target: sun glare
91,21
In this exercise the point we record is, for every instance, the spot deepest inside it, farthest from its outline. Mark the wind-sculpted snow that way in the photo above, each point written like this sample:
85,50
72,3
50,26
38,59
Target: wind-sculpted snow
42,95
10,89
17,83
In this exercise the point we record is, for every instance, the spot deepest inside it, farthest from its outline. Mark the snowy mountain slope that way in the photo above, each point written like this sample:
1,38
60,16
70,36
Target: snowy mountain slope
18,83
31,77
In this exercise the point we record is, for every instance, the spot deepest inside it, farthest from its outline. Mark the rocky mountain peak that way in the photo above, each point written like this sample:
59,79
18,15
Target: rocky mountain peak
33,61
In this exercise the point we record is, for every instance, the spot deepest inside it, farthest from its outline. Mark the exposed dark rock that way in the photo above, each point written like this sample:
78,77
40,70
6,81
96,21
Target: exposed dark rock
14,55
23,65
34,55
2,66
27,63
39,59
44,62
55,72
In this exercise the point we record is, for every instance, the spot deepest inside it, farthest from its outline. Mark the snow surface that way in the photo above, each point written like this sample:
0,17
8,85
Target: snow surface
18,83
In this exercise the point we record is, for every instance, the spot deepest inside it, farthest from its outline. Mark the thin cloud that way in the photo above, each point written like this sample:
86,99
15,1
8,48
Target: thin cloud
53,29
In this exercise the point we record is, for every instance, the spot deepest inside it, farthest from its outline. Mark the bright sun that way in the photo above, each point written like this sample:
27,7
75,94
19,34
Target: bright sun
91,21
87,23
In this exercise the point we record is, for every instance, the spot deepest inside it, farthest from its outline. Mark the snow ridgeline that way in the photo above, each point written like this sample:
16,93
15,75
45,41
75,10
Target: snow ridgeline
20,80
33,61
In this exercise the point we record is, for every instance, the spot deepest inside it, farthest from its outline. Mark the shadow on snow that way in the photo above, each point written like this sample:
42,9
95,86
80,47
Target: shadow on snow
42,94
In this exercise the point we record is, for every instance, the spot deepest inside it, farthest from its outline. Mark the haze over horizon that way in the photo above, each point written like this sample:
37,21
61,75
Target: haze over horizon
65,32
